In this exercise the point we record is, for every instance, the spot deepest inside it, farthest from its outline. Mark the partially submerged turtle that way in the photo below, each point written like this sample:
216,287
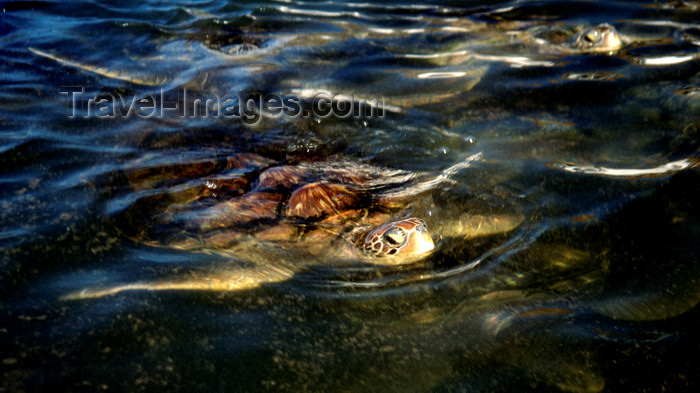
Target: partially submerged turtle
278,217
518,44
431,85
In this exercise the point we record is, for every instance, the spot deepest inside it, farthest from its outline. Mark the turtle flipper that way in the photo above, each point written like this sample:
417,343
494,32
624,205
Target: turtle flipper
229,281
650,307
138,78
470,225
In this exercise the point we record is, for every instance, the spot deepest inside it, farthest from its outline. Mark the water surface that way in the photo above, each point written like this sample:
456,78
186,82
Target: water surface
596,290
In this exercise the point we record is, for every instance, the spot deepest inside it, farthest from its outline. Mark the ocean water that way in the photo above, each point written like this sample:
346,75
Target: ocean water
122,125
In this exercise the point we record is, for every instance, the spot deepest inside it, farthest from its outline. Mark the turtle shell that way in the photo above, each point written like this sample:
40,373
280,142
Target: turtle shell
217,203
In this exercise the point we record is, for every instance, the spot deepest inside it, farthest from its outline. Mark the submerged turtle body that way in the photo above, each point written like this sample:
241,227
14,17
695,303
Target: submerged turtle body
279,216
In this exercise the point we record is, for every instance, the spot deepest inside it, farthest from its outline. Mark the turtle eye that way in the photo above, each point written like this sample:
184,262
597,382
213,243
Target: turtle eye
592,36
395,236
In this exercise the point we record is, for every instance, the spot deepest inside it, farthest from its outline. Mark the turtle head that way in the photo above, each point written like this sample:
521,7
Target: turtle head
394,242
600,38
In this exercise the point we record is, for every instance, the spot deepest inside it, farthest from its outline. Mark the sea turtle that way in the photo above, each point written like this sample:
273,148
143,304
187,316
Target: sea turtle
460,60
433,74
276,217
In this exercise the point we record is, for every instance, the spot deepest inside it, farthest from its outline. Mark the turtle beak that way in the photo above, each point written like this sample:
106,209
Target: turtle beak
419,242
612,39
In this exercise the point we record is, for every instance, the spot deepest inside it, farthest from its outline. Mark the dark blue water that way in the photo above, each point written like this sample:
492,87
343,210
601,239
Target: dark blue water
102,117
